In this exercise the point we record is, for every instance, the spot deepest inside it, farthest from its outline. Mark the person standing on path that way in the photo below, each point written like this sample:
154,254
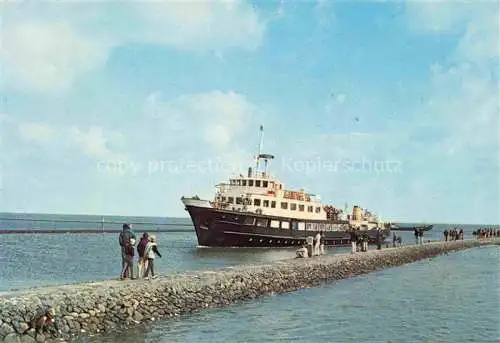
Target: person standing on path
317,242
379,239
141,250
151,251
354,240
125,236
128,255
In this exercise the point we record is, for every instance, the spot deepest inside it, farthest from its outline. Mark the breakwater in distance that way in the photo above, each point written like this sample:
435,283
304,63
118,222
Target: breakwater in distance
82,231
90,308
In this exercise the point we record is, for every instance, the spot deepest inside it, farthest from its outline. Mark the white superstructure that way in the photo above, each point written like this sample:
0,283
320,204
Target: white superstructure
261,193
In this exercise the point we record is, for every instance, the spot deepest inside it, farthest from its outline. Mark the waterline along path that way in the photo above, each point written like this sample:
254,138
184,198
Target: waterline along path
90,308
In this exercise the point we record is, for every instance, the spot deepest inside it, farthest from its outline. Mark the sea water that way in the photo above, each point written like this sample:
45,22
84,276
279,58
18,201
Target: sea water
451,298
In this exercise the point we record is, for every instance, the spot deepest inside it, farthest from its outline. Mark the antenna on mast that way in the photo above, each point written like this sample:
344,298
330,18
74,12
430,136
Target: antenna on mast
260,147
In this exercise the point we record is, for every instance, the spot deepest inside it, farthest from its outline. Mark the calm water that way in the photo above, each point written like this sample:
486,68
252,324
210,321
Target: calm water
452,298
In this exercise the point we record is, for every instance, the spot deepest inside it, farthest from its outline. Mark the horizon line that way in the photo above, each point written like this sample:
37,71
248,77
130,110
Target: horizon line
187,217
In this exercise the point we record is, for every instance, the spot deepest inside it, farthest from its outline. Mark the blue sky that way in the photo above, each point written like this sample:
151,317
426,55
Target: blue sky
122,108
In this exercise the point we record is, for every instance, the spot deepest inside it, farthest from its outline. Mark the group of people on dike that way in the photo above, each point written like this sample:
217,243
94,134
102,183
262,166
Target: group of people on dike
147,250
360,240
486,233
453,235
419,235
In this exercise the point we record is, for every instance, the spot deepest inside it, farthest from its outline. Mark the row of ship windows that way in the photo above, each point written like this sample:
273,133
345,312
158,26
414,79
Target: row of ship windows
294,225
272,204
250,183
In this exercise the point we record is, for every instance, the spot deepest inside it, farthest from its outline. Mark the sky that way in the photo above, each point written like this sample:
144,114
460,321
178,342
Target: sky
124,107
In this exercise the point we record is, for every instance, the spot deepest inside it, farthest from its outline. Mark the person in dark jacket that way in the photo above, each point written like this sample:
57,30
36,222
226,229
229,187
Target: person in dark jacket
128,256
354,239
421,236
141,249
125,236
379,239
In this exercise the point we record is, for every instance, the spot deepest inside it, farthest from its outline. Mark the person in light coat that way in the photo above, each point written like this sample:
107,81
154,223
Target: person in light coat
317,239
150,253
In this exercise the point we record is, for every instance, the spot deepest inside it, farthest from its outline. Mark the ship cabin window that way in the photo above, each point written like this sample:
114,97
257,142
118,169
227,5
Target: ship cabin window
285,225
309,209
250,183
293,207
273,204
257,183
275,224
318,209
265,203
239,201
261,222
243,182
301,208
256,202
301,226
223,199
264,184
284,205
249,220
230,200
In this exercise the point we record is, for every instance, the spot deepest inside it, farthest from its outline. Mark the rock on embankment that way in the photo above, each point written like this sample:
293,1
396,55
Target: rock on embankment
89,308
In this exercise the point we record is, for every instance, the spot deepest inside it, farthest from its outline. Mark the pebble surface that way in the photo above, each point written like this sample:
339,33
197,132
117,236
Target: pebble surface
90,308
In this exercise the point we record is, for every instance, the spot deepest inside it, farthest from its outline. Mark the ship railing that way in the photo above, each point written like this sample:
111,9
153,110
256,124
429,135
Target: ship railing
327,227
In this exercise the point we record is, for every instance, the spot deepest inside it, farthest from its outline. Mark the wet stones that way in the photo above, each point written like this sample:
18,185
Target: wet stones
112,305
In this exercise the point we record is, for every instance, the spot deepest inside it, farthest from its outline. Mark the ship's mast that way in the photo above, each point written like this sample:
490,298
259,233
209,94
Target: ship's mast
260,148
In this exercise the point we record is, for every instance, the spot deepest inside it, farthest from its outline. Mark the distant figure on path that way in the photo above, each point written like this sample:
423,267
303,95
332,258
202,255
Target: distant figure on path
379,239
151,251
446,235
421,236
124,238
416,233
394,239
142,263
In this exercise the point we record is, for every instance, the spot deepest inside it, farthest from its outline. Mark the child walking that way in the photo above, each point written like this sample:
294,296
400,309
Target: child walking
151,251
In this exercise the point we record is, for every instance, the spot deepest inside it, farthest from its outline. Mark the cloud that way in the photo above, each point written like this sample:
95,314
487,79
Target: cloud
480,22
47,47
436,17
480,43
47,56
36,131
218,117
95,144
201,25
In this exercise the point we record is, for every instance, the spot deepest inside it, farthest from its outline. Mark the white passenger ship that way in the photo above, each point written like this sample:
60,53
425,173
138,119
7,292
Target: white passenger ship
257,210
